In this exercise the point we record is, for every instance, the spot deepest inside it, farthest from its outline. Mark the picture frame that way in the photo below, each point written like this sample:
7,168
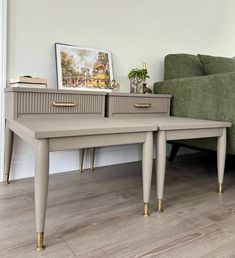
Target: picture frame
81,68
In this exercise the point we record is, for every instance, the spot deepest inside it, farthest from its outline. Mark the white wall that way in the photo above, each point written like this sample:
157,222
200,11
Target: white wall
3,30
134,31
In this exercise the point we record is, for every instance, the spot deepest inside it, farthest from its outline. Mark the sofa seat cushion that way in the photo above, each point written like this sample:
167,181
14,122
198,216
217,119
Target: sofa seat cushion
217,64
182,66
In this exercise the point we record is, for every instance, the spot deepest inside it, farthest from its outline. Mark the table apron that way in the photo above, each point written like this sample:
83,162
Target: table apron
193,133
75,142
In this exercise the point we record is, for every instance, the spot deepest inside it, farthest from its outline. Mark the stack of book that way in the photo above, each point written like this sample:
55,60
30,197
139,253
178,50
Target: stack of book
29,82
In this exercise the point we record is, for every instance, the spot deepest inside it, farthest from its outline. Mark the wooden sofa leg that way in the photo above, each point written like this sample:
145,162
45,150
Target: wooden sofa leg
174,149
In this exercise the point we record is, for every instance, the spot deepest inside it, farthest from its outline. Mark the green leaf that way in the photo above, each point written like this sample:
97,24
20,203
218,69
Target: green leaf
142,74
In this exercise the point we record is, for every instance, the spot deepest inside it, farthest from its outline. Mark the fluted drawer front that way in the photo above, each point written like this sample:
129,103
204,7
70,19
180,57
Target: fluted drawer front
138,105
56,103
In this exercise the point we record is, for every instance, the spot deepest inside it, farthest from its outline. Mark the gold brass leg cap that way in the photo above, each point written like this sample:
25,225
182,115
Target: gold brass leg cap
40,248
220,189
40,237
159,205
146,209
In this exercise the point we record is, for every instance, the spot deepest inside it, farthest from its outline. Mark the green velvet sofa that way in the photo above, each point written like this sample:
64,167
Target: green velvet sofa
201,87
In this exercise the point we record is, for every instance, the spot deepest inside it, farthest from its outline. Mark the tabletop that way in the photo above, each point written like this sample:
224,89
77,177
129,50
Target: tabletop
178,123
48,127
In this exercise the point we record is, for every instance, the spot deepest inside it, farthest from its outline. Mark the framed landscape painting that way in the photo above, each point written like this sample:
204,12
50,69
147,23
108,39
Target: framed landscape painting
83,68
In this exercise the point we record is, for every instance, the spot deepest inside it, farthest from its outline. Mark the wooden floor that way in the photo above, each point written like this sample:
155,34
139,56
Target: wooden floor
99,214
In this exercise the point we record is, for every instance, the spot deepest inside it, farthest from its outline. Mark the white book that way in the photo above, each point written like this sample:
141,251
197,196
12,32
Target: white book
23,79
29,85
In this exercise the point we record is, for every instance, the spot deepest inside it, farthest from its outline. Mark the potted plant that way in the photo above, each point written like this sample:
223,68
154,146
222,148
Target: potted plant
137,77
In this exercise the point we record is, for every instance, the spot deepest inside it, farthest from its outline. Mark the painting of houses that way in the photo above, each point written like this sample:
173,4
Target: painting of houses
83,68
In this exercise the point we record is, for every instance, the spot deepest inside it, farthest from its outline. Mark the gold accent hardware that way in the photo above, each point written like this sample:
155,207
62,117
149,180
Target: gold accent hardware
81,154
142,105
40,245
146,209
64,103
159,205
220,190
92,158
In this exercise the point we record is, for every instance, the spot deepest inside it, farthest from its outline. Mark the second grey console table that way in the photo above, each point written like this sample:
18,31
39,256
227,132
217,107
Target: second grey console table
178,128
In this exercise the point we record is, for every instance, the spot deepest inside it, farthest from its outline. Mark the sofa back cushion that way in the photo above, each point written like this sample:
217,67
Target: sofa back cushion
217,64
182,66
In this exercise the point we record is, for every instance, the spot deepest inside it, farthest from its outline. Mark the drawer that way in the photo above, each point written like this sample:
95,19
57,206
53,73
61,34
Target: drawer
138,104
53,102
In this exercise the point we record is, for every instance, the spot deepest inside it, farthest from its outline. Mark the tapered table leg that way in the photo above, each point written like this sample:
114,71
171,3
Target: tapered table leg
221,154
41,188
92,158
160,167
9,137
81,158
147,162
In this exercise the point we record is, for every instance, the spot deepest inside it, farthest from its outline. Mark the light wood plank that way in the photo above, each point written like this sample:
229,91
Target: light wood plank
100,214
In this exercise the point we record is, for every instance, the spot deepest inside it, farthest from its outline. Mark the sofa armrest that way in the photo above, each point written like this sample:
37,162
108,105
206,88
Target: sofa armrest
206,97
209,97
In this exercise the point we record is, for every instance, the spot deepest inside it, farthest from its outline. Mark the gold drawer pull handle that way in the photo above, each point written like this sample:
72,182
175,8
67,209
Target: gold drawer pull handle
142,105
63,103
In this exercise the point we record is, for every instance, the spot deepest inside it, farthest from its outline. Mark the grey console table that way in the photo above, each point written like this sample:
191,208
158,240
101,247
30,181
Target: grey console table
54,120
157,112
177,128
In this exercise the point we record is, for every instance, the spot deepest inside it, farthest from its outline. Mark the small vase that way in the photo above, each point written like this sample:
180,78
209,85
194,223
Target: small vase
136,85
